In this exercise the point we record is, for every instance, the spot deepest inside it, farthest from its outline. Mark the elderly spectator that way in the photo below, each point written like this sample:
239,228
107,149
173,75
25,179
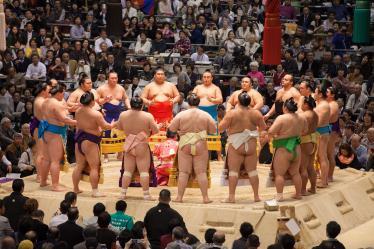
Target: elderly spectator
199,55
36,70
14,151
181,105
254,73
359,149
357,100
335,66
5,228
26,163
223,60
251,45
6,132
26,134
178,235
18,105
218,240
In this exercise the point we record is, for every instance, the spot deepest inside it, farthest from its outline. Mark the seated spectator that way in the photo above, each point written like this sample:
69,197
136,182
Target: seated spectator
123,238
251,45
104,234
82,67
14,151
33,49
27,113
120,220
183,46
5,164
158,44
143,44
340,11
102,39
168,238
26,134
57,70
88,233
289,64
287,11
199,55
77,30
98,208
246,229
218,240
91,26
38,225
5,103
62,217
231,42
26,244
356,76
128,10
14,203
191,74
5,228
181,105
223,60
178,235
287,241
253,242
36,70
368,142
196,34
332,231
70,232
26,163
211,34
254,73
357,100
18,105
6,133
359,149
15,79
328,24
346,157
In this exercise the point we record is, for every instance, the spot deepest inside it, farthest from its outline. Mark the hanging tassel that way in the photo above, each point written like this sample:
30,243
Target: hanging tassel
272,34
361,24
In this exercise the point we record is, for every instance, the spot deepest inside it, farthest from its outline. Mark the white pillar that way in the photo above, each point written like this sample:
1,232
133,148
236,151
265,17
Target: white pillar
2,27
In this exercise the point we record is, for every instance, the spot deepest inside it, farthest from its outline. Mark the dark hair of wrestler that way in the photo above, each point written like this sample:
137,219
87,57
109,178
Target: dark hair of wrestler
244,99
193,99
310,102
40,88
290,105
57,89
87,98
308,85
136,103
82,78
333,91
158,69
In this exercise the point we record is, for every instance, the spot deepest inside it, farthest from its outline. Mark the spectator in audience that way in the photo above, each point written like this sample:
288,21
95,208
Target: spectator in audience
15,79
62,217
181,105
102,39
357,100
123,238
253,242
127,71
138,235
332,231
246,229
28,113
26,163
289,64
178,235
18,105
287,11
38,225
120,220
70,232
143,44
183,46
340,11
218,240
254,73
14,203
158,44
223,60
104,234
167,238
305,19
36,70
5,228
14,151
88,233
199,55
6,132
98,208
157,219
77,30
359,149
346,157
5,164
287,241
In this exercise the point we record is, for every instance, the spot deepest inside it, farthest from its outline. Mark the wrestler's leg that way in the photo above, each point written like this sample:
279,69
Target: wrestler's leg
77,173
200,164
234,161
56,153
184,171
306,150
92,152
312,174
130,164
334,137
143,161
45,162
250,163
323,160
281,162
39,154
294,171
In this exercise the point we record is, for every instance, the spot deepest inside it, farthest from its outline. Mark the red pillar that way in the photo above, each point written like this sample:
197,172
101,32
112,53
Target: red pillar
272,33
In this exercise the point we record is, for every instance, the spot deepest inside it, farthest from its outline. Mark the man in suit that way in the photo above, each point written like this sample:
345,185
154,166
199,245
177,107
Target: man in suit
5,228
14,203
310,63
70,232
126,71
305,18
28,34
88,232
223,60
21,63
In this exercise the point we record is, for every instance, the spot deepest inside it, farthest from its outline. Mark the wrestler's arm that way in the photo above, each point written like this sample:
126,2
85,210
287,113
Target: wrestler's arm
144,96
102,99
174,125
176,95
225,122
152,125
125,98
275,128
230,103
217,97
259,101
60,112
212,127
73,99
296,95
272,109
102,123
261,123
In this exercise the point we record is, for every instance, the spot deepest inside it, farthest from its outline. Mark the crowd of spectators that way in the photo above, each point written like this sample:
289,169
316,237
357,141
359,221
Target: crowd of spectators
62,39
22,226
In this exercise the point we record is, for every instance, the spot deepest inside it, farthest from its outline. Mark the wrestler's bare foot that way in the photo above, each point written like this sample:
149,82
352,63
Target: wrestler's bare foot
148,198
78,191
228,200
58,188
321,185
44,184
331,179
305,193
178,199
279,197
297,197
38,179
98,194
257,199
312,191
207,200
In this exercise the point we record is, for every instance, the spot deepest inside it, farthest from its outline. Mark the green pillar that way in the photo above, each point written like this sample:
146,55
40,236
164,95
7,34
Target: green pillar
361,22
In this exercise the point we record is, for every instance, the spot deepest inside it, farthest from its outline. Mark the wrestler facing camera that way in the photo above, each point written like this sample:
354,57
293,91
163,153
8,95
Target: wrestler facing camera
41,93
323,111
308,145
241,124
90,124
257,101
193,125
335,130
52,130
138,126
287,91
286,131
209,94
160,97
85,85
